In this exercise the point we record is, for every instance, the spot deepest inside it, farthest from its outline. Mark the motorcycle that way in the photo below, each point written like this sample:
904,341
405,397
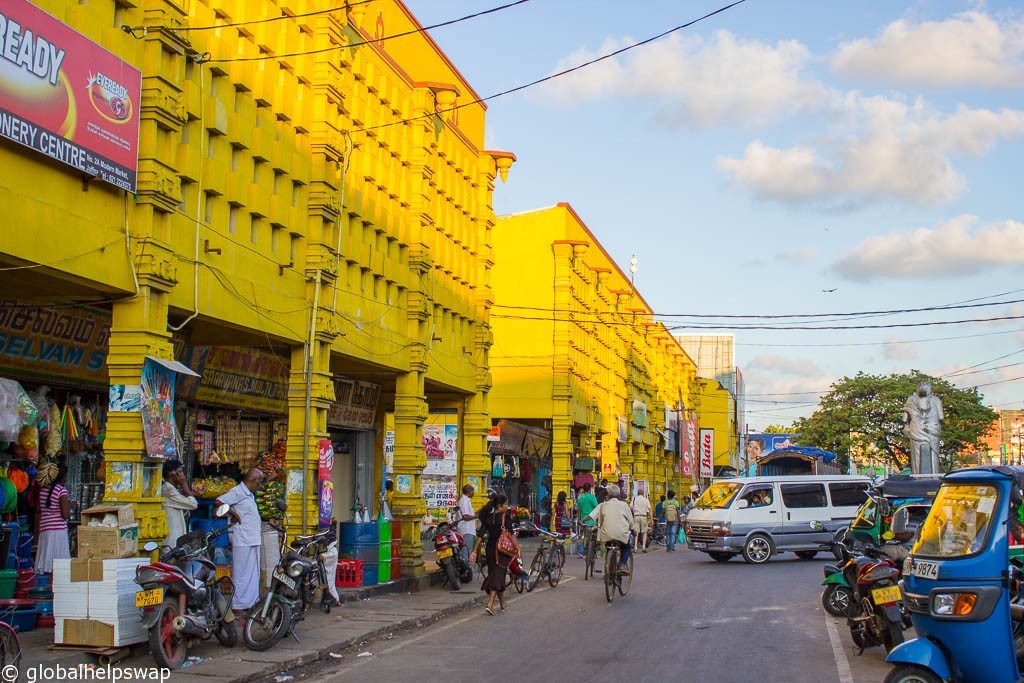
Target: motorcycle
837,596
451,550
181,602
294,585
962,585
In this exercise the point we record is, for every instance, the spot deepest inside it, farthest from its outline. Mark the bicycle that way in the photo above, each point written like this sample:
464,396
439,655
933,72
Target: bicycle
657,535
10,644
589,551
518,581
614,579
549,560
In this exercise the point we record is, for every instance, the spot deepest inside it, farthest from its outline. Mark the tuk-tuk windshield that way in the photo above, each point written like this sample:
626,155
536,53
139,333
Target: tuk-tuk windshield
718,496
866,515
959,522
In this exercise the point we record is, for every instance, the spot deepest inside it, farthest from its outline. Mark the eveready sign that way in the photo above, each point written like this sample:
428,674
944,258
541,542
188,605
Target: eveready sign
66,97
707,452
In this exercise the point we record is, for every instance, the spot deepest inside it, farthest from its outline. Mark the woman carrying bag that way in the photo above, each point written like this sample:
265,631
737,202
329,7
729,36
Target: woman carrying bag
501,549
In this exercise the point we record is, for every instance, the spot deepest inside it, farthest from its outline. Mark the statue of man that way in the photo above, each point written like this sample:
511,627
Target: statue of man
922,419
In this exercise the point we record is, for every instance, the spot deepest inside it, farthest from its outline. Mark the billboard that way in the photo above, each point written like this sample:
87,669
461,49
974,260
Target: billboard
706,450
66,97
759,444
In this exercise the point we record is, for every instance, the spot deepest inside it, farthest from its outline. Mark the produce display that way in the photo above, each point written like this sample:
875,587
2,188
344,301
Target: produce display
266,500
520,513
212,487
272,463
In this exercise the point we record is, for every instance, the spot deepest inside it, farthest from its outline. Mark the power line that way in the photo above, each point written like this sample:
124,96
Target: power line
421,29
893,342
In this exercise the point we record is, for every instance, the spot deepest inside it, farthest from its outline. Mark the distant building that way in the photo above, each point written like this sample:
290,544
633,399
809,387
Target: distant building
715,355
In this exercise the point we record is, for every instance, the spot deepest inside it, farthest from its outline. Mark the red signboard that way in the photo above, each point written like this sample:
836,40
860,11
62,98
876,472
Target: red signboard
707,452
65,96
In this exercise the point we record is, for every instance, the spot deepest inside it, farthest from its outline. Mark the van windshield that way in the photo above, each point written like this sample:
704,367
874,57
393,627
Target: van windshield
718,496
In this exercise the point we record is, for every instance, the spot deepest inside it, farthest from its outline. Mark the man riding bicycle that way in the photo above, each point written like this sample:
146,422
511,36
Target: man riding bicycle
615,522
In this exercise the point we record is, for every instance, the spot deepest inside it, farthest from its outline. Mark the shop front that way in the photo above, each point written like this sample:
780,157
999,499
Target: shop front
352,423
521,467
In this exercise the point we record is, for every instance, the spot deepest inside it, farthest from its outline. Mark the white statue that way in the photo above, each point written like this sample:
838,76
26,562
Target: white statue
922,419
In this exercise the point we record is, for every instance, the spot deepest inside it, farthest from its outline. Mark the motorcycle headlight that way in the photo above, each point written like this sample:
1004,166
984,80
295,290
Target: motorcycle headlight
954,604
295,570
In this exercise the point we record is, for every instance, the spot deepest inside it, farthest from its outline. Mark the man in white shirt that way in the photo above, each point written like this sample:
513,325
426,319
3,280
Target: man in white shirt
467,518
178,500
642,513
245,540
615,523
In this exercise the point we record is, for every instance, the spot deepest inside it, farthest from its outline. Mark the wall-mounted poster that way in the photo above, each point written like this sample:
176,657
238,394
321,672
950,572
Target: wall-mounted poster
125,398
439,493
158,410
441,444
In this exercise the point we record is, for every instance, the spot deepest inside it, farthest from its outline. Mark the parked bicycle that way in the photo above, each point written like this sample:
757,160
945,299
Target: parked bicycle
657,535
549,560
515,568
614,578
10,644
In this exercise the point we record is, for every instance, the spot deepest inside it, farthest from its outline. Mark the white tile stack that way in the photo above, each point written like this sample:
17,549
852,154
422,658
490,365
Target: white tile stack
110,600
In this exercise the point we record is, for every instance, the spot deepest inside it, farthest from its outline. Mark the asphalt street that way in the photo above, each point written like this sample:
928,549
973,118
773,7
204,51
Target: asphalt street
686,618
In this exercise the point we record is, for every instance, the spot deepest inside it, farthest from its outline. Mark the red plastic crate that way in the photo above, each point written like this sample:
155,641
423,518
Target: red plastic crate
350,574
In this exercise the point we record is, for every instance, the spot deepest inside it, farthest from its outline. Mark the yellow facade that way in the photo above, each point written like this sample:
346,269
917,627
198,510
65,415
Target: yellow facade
716,409
576,347
304,186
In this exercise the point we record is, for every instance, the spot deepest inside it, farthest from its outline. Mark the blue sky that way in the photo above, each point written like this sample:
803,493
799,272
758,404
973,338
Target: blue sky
775,151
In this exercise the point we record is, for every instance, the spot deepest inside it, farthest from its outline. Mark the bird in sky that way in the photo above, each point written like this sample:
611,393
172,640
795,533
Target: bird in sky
829,291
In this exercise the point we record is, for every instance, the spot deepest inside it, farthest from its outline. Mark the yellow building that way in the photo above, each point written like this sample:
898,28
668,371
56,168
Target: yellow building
716,412
583,376
312,215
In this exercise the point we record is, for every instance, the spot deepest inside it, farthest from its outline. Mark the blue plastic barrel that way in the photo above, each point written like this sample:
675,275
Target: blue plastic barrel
370,573
359,541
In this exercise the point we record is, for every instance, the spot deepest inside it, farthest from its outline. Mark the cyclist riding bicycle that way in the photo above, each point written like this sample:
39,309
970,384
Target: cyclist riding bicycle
615,522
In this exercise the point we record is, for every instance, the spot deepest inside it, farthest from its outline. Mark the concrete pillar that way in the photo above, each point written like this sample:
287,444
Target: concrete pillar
411,412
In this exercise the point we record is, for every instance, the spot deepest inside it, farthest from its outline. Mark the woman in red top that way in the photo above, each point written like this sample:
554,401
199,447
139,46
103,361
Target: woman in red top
562,522
52,517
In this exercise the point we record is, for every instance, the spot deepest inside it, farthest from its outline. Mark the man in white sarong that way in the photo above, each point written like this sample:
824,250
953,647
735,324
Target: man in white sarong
245,540
922,417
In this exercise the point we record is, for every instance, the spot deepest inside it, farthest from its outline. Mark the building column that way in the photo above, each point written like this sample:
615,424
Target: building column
475,467
411,412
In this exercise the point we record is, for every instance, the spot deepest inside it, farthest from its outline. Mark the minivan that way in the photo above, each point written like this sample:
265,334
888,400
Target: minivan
758,517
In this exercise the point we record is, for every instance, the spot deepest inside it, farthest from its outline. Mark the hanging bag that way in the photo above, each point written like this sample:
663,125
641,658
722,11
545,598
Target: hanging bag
507,544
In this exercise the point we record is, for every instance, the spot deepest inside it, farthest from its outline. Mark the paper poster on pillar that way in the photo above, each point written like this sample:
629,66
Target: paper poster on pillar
158,410
439,493
441,445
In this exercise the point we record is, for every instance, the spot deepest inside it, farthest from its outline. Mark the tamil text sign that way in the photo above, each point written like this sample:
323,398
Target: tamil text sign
65,96
706,451
355,404
236,376
43,343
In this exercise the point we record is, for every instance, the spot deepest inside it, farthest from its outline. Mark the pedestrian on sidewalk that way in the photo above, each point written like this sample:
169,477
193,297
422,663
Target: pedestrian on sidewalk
245,541
467,517
642,514
178,500
52,516
601,492
498,518
562,522
659,511
671,510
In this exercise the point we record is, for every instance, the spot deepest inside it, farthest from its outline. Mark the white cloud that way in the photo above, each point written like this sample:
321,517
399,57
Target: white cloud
721,79
899,150
781,365
798,256
896,348
969,49
957,247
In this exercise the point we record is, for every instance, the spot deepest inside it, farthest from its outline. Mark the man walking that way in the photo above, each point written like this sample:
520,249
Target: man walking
642,514
245,540
670,509
467,519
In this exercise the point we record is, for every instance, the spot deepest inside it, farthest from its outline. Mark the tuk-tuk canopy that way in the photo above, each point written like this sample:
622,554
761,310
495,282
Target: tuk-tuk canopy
910,486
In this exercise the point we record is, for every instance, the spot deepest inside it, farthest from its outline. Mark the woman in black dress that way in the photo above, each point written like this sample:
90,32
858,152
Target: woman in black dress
497,564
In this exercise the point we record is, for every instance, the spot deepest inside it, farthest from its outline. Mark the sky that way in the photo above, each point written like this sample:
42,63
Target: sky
783,157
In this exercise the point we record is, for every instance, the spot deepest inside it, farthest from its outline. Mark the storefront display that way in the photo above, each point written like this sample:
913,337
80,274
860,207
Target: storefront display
518,455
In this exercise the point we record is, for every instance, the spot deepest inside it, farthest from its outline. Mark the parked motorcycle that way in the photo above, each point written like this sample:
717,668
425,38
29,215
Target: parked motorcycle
294,585
880,618
451,550
837,596
181,603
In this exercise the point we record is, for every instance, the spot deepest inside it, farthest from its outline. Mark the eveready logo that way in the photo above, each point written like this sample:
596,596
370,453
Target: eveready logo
33,53
111,86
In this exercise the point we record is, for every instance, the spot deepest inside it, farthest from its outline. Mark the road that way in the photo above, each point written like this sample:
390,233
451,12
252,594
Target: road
686,618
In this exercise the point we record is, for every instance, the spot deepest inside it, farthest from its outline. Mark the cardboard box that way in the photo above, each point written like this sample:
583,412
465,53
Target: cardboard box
108,542
88,632
125,513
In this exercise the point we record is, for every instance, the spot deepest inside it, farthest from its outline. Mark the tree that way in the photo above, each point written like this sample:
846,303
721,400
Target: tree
864,414
778,429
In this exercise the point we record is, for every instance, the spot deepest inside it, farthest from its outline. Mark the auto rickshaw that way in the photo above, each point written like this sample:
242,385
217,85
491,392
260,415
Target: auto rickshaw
959,585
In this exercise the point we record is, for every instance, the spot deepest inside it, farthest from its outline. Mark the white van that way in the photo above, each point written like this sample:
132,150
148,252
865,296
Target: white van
761,516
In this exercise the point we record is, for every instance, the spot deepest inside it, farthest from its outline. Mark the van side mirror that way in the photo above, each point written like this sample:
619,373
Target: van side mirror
742,504
817,526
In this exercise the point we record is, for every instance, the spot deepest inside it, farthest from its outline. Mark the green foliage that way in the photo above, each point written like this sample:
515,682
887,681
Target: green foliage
779,429
864,414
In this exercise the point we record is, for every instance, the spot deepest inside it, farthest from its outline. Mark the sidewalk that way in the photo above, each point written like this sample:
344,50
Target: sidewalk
365,614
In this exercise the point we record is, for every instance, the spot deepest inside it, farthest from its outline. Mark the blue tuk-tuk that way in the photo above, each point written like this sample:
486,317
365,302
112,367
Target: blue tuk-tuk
959,585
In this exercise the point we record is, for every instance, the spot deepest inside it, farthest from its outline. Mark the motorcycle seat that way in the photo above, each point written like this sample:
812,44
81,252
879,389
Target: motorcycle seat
830,569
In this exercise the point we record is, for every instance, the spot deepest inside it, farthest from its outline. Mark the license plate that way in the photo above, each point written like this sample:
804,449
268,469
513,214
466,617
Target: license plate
444,553
285,579
154,596
700,546
883,596
924,570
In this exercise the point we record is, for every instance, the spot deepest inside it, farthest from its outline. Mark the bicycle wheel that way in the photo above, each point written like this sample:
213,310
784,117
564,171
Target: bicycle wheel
626,580
536,569
556,561
591,554
611,566
10,646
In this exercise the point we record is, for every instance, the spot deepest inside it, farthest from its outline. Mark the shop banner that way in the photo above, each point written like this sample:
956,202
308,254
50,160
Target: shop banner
389,451
441,444
355,404
47,343
707,452
326,466
689,444
63,95
622,432
158,410
639,413
439,493
236,376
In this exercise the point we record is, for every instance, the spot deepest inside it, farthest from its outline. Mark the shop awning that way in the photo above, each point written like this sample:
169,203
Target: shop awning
173,366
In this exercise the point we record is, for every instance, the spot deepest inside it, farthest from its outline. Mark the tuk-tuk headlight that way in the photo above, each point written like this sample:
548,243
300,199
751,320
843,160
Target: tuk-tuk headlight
954,604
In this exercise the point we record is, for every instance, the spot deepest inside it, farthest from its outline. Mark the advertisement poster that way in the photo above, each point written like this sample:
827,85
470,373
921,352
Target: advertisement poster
441,444
689,447
759,444
439,492
389,451
158,410
325,467
42,342
403,483
707,452
64,96
232,371
125,398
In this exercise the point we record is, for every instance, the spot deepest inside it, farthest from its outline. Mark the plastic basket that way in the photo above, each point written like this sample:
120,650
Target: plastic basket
350,574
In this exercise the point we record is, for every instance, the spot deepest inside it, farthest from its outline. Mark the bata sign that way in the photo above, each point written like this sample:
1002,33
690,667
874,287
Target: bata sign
707,452
65,96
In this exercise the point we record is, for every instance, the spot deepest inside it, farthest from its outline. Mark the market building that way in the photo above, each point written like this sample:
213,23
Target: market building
239,245
586,384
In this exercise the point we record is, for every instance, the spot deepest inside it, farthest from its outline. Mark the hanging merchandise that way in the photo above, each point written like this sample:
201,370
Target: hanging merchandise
16,410
53,432
266,500
10,496
19,478
498,467
28,443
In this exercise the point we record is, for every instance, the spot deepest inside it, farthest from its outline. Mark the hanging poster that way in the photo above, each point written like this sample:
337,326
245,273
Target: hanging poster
622,432
326,465
439,493
389,451
441,445
158,410
706,449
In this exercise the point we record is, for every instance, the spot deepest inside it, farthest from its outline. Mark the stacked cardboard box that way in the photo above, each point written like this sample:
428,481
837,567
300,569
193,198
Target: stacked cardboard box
108,542
94,602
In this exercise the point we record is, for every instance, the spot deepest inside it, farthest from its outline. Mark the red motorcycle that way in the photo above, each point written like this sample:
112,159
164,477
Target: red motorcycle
877,615
451,551
181,602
